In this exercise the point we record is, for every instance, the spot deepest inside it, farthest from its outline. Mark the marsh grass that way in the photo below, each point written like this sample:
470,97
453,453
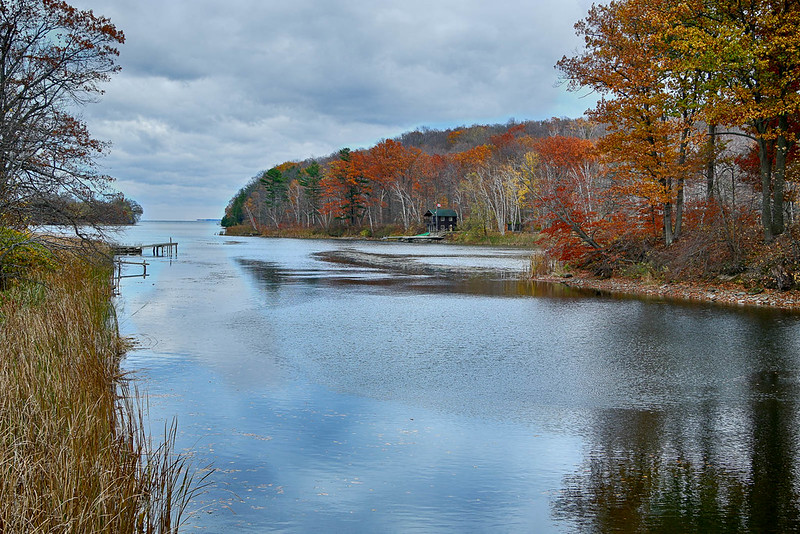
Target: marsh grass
542,264
74,453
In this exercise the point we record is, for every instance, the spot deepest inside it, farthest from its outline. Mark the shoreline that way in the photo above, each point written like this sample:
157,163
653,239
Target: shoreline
723,294
78,454
720,294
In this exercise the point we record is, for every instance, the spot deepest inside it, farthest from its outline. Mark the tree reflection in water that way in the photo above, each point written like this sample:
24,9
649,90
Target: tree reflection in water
710,467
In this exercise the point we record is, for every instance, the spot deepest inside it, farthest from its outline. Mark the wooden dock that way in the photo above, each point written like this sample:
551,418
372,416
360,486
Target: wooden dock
117,275
126,250
164,249
159,249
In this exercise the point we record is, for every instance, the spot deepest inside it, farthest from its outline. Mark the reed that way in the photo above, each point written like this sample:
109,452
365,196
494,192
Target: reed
541,264
74,453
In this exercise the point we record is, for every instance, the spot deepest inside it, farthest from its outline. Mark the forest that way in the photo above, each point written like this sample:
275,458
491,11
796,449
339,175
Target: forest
686,167
64,209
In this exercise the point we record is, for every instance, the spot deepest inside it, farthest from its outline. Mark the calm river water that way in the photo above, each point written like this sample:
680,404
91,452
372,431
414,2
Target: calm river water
443,395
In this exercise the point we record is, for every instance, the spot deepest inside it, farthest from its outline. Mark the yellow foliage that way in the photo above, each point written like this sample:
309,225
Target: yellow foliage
21,256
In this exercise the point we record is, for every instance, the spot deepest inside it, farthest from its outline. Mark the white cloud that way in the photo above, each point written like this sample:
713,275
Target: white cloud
212,92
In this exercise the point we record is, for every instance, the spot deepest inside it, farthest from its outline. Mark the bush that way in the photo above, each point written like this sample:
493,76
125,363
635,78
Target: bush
776,265
20,256
240,230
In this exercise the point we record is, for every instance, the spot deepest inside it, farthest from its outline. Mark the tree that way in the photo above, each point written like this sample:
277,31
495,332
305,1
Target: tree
235,212
346,187
109,209
496,191
391,165
53,57
752,49
309,179
650,102
469,164
667,65
569,192
276,193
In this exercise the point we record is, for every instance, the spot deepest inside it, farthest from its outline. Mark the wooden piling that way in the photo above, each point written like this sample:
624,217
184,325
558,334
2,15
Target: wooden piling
158,249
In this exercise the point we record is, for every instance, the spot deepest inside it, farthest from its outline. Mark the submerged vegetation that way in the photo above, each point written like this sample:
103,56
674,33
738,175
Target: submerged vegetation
74,453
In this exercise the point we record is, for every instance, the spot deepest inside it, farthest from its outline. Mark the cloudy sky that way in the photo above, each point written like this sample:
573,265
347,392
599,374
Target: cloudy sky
213,92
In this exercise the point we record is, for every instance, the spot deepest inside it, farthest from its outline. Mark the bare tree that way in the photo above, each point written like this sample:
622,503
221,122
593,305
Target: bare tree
52,59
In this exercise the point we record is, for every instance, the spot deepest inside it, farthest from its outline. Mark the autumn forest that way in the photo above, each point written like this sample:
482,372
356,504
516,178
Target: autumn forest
686,166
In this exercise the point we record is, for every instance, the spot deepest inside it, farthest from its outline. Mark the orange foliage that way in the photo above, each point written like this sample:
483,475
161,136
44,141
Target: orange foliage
651,103
472,159
567,153
345,188
285,166
453,136
389,161
503,140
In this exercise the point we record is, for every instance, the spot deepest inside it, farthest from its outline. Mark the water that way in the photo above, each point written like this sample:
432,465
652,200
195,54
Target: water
441,394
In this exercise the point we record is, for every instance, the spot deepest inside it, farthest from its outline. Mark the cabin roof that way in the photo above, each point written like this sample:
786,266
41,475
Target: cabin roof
441,212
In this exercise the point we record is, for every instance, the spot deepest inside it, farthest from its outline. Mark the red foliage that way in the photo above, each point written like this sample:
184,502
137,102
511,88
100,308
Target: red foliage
568,192
344,187
749,166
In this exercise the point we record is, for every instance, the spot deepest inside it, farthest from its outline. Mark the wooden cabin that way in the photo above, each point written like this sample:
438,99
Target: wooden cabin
440,220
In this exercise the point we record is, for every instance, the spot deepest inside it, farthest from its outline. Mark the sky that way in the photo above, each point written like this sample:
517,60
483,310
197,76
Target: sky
211,93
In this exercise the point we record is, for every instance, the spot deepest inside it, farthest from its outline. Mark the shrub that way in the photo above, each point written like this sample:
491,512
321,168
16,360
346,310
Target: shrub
239,230
20,255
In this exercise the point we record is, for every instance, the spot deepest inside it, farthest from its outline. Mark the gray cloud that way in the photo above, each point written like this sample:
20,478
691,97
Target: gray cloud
212,92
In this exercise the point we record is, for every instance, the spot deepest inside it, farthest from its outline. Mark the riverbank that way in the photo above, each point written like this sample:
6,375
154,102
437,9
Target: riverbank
74,452
472,237
723,293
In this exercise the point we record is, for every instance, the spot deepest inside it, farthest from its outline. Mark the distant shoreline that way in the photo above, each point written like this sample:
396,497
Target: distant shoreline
179,220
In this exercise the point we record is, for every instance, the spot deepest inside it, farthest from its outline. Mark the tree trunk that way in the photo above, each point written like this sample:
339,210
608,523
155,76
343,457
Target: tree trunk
712,161
252,219
779,178
766,186
679,210
668,236
680,183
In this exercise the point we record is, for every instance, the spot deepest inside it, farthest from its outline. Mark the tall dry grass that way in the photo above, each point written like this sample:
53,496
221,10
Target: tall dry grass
74,455
542,264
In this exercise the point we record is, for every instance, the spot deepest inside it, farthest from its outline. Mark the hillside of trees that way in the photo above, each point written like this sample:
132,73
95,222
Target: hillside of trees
687,166
392,184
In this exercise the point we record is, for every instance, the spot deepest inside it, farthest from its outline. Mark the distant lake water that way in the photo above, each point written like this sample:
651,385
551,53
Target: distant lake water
441,393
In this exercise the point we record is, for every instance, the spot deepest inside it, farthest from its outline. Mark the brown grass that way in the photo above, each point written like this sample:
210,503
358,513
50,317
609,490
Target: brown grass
542,264
74,456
